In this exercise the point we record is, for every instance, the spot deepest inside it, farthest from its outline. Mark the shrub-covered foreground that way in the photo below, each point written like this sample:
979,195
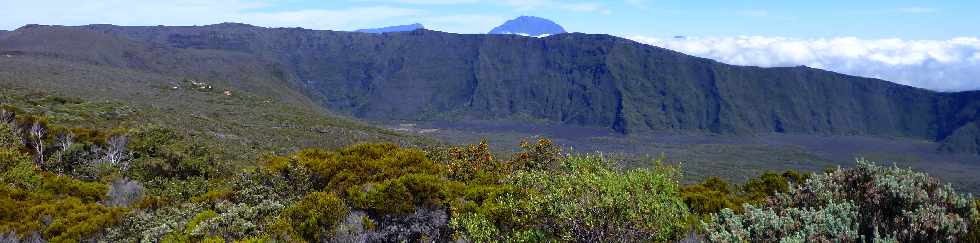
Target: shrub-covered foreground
150,184
869,202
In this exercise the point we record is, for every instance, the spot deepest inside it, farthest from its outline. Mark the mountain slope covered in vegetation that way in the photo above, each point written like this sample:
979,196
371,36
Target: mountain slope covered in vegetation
571,79
234,133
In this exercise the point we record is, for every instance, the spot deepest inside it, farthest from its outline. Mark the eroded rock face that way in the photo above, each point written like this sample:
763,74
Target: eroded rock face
571,79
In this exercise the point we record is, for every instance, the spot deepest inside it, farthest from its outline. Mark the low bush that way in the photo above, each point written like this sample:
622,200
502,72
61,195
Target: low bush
316,216
714,194
584,199
868,202
163,153
58,213
974,235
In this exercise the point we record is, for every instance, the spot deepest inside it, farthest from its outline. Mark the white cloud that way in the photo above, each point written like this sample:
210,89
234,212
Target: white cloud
945,65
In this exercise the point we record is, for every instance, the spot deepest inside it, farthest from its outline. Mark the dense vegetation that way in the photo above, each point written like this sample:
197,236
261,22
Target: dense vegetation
153,184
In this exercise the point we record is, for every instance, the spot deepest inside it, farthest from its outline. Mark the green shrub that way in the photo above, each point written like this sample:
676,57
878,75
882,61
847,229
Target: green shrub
714,194
473,162
835,222
155,224
585,199
974,235
20,170
372,174
64,185
56,213
16,166
475,227
8,138
769,183
540,155
402,195
711,196
316,216
163,153
870,202
236,220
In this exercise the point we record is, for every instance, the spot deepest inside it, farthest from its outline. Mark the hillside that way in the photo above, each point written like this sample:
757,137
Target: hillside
170,87
570,79
235,133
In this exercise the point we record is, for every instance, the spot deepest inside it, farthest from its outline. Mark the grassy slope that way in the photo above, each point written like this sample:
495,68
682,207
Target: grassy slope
244,123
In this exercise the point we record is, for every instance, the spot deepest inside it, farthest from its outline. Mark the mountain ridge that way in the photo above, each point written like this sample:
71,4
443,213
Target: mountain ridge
395,28
575,79
529,26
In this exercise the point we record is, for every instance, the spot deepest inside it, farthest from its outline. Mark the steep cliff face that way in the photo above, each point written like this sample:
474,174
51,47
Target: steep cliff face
574,79
959,126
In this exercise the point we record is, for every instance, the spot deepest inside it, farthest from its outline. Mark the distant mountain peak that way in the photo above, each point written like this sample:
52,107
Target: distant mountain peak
397,28
529,26
232,25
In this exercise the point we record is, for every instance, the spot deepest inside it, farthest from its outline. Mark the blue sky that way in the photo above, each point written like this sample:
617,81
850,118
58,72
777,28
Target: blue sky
927,44
803,19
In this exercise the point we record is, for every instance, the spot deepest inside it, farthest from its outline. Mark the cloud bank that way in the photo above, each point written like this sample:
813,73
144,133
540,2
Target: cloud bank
942,65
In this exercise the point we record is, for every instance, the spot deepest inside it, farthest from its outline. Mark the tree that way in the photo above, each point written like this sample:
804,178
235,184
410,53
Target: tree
116,151
35,137
7,115
65,139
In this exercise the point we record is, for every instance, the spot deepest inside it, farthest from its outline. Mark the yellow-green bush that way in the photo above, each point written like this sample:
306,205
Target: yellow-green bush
402,195
69,218
378,177
715,194
711,196
584,199
472,162
64,185
315,217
